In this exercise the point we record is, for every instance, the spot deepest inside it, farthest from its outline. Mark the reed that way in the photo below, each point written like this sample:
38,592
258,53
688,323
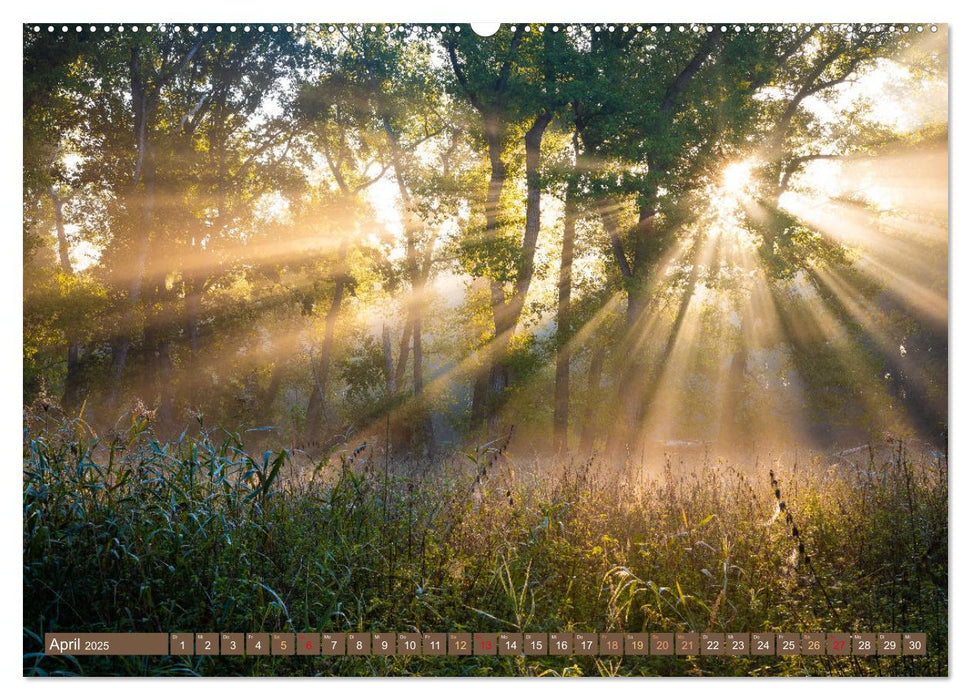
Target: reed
131,534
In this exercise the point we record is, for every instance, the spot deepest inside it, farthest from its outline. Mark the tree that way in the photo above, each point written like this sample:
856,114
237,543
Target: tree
512,79
325,229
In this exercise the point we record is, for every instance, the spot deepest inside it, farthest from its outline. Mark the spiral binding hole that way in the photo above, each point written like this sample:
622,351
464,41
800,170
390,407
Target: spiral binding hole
431,30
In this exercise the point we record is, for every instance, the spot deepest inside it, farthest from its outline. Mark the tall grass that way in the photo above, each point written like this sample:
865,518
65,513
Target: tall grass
130,534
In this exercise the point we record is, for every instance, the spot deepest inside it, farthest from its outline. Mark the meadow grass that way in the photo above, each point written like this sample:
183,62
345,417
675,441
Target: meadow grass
127,533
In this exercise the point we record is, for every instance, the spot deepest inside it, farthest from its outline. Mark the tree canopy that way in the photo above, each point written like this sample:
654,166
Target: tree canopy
610,236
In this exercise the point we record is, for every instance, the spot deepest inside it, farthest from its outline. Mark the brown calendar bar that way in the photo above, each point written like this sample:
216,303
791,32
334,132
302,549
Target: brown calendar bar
231,644
662,644
864,644
914,644
106,644
333,644
686,643
510,644
316,644
536,644
308,644
409,644
637,644
282,644
611,644
888,644
561,644
839,644
485,644
257,644
785,644
737,643
182,643
460,644
813,644
711,644
207,643
585,644
383,644
359,644
434,644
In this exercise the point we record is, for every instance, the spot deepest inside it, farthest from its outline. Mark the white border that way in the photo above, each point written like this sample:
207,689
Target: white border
926,11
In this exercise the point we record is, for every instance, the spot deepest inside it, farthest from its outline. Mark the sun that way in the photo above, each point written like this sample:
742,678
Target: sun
737,177
730,194
731,187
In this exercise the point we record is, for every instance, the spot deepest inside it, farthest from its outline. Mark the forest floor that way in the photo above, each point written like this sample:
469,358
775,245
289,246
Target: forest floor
197,535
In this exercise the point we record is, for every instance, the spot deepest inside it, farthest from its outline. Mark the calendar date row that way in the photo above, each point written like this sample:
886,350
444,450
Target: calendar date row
489,644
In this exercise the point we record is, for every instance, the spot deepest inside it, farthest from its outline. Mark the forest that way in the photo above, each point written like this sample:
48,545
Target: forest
353,327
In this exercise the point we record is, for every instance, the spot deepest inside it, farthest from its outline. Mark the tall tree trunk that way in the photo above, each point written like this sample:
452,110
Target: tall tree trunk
273,387
63,249
633,386
193,310
645,256
491,379
593,390
497,175
424,418
404,351
561,384
480,397
418,375
165,380
144,175
417,274
157,360
390,387
189,372
506,314
318,409
71,397
652,383
534,142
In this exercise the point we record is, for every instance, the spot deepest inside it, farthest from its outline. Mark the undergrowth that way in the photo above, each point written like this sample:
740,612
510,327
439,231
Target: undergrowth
127,533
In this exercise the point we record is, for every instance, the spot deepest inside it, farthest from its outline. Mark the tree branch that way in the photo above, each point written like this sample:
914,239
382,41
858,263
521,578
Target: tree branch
506,70
460,76
616,246
712,41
